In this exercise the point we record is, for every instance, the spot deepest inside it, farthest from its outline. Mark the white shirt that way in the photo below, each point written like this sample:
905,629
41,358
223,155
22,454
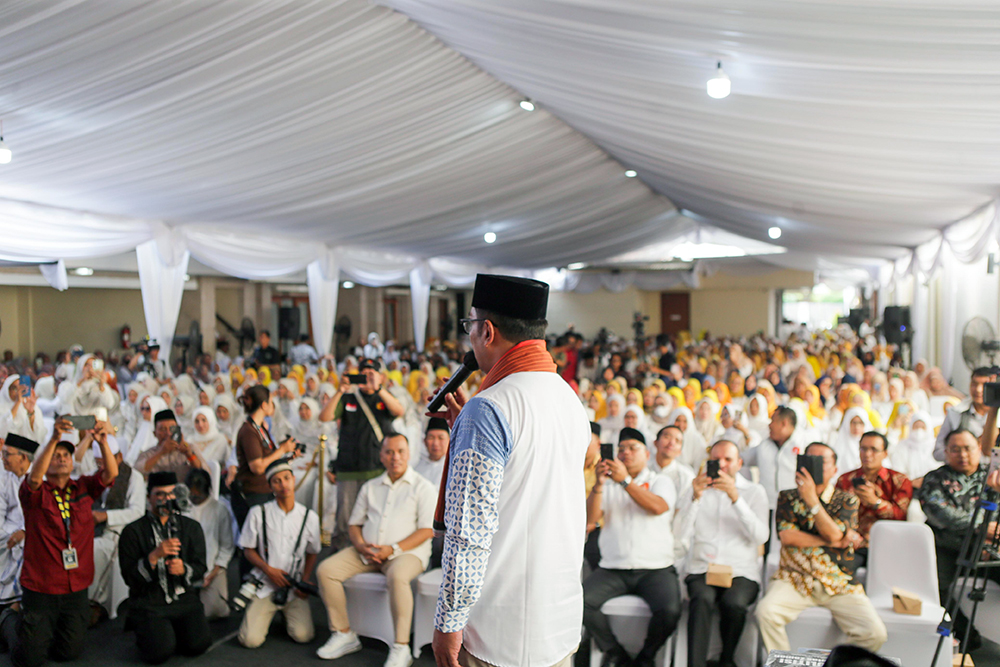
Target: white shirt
392,511
952,420
303,354
282,531
724,532
217,525
679,473
431,470
135,503
777,466
632,538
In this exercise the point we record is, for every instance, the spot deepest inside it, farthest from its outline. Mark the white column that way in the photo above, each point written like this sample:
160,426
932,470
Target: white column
206,315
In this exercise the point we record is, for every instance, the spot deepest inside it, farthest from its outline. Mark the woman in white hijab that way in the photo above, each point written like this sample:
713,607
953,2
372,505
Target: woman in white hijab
185,386
635,418
307,431
845,442
758,420
183,407
223,384
46,399
737,430
312,385
208,442
229,416
130,410
914,455
19,412
286,406
206,395
612,425
663,405
145,436
705,412
695,448
91,392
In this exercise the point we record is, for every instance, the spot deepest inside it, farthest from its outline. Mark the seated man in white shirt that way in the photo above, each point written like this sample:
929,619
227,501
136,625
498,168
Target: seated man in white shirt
121,504
437,438
390,530
217,524
725,516
667,448
281,540
637,549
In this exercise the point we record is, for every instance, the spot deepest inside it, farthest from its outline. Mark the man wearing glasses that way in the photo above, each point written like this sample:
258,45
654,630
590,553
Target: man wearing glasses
637,549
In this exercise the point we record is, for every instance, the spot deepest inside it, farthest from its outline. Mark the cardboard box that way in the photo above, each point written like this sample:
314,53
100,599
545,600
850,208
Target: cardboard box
904,602
956,661
719,575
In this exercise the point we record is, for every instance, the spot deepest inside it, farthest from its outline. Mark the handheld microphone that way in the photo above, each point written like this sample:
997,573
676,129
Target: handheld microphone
468,367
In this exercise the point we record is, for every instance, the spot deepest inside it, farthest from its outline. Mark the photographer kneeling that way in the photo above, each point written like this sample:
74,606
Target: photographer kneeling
281,540
162,558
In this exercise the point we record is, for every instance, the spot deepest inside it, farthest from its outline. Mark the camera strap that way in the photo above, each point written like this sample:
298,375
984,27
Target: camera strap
298,540
371,418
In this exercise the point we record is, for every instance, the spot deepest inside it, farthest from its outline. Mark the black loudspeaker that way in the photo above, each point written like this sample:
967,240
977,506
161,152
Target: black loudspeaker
896,325
856,317
288,323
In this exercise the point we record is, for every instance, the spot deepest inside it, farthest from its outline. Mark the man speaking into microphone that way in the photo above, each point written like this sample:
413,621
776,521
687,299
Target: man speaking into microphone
514,512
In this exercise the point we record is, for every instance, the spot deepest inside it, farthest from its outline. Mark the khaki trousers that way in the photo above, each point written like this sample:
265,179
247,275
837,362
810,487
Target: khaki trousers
346,563
260,613
853,613
215,598
466,659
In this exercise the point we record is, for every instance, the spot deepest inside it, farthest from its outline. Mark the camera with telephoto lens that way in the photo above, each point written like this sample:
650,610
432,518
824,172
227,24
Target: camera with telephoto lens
247,592
280,596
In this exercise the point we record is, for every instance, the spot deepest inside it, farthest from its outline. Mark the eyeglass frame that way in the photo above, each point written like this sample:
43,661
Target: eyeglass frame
467,322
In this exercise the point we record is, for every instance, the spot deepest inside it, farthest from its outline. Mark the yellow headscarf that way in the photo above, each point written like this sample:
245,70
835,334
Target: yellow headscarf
816,408
601,411
739,393
723,391
678,395
638,396
692,393
264,375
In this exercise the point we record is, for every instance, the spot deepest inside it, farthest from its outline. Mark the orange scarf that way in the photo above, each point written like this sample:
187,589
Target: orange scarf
528,356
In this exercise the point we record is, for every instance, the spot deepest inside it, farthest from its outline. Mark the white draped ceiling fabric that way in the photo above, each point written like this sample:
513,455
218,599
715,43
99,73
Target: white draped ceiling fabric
353,141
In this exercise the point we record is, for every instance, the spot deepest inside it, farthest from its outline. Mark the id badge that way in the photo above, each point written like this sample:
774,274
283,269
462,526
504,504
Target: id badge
70,561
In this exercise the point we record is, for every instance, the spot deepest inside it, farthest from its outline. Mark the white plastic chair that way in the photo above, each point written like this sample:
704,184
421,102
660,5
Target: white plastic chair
629,618
368,607
424,607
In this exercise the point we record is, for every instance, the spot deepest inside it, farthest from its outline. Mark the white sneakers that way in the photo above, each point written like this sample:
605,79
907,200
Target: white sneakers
399,656
340,644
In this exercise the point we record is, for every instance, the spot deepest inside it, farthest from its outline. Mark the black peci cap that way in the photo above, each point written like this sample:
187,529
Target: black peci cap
518,298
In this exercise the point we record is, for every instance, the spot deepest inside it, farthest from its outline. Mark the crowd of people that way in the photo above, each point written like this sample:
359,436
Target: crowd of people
692,475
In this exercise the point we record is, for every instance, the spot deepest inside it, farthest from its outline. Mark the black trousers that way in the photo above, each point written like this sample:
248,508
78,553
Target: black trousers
159,636
592,548
659,588
50,626
732,604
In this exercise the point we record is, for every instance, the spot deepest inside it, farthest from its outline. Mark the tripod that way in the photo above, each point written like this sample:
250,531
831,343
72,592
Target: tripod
977,555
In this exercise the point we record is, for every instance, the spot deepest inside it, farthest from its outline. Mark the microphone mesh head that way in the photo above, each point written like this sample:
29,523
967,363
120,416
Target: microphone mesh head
470,361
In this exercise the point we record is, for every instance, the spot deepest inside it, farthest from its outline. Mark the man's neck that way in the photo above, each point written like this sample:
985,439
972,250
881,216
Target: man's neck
58,481
663,461
19,473
871,474
286,503
980,408
636,471
397,477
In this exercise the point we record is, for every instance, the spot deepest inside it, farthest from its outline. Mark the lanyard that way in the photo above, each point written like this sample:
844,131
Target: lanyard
260,432
64,511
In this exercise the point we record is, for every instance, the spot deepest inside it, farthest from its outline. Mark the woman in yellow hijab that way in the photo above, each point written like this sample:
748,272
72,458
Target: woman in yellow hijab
678,395
692,393
633,397
816,408
599,404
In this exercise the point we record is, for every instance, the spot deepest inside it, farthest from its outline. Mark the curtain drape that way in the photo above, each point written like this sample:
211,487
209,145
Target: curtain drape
162,268
420,298
323,281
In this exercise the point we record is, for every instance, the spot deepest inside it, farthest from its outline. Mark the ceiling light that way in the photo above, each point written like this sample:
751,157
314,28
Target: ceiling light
187,277
348,284
5,153
441,288
489,237
774,232
718,86
527,105
576,266
83,271
631,173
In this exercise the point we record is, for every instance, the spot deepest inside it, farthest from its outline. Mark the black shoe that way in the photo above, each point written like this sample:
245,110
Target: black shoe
616,657
643,661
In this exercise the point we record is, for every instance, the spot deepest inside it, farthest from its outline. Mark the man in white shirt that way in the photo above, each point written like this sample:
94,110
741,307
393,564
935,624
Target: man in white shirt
217,524
18,453
281,540
390,530
970,414
437,438
775,458
637,549
303,353
121,504
725,517
667,447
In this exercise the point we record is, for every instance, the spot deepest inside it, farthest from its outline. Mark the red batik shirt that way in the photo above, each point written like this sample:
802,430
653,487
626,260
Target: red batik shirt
895,490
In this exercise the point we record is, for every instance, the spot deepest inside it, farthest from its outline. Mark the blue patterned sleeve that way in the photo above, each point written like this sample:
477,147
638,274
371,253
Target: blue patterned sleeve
480,447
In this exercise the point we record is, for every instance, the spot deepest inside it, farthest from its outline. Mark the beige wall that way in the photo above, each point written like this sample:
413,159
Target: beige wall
730,312
589,312
41,319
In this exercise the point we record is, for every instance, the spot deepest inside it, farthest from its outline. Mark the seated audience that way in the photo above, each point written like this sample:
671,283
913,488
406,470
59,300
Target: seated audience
725,518
667,449
58,550
817,561
18,454
281,540
883,494
162,558
969,415
948,497
217,526
172,452
390,529
118,506
637,549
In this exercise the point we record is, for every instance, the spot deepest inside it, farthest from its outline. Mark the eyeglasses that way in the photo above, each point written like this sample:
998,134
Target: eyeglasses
144,408
630,448
466,323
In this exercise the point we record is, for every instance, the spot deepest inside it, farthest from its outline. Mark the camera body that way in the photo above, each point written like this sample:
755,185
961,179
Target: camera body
991,394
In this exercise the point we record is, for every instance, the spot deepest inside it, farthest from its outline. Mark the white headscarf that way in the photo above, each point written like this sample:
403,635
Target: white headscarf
709,428
914,456
695,448
145,435
6,403
212,445
846,445
231,426
760,423
80,364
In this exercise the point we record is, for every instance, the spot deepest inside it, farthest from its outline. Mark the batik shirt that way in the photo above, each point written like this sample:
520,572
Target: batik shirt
949,498
803,567
893,488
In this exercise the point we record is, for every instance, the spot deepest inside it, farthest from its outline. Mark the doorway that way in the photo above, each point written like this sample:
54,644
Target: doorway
675,312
